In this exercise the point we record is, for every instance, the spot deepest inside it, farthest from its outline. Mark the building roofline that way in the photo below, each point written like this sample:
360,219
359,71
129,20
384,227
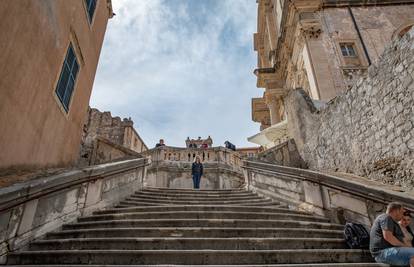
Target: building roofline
345,3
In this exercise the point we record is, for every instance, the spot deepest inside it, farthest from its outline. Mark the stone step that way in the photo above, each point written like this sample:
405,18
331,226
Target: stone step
198,191
198,208
238,223
204,215
188,244
183,202
195,198
193,257
195,194
218,232
150,204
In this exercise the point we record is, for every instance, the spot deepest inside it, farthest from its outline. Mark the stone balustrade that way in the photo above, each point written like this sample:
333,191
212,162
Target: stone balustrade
33,208
171,167
343,199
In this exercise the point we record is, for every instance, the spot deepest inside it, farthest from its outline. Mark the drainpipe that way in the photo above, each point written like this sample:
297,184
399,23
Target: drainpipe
359,35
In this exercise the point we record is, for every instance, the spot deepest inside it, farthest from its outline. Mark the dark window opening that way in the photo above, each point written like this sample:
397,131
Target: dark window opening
348,50
67,79
90,7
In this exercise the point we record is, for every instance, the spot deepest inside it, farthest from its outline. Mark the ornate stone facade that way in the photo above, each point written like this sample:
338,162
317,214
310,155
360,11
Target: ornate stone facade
108,138
322,46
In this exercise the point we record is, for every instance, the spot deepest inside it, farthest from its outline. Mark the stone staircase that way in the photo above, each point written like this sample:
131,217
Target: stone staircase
172,227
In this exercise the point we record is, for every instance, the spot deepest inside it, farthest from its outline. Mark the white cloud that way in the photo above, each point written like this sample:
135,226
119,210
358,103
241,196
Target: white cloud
180,68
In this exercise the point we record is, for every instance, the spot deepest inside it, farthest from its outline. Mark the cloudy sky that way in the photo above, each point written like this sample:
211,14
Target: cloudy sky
180,68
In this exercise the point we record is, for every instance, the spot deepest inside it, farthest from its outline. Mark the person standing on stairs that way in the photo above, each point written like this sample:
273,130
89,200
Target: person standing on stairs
197,172
387,239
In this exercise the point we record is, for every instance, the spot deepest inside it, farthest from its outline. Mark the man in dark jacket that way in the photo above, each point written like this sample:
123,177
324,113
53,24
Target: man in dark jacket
197,172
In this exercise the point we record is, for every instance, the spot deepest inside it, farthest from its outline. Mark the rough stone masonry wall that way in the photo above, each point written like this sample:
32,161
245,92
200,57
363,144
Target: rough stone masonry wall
368,130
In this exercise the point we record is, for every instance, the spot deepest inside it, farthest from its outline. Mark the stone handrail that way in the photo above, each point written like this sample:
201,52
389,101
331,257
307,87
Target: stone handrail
30,209
340,198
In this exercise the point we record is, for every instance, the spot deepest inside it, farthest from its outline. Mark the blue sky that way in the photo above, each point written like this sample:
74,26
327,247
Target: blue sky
180,68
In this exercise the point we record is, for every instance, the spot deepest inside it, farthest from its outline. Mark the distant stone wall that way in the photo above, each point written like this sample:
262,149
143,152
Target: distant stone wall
368,130
171,167
340,199
105,151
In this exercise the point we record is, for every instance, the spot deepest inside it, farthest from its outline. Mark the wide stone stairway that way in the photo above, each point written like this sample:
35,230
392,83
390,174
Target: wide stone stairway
187,227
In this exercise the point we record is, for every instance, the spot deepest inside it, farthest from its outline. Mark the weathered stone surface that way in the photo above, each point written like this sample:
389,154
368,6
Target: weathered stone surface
368,130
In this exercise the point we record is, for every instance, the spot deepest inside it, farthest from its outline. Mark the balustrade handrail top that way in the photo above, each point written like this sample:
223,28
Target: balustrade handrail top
349,186
20,193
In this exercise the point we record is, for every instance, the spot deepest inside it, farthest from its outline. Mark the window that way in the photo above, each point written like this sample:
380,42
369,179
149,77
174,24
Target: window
66,84
348,50
90,7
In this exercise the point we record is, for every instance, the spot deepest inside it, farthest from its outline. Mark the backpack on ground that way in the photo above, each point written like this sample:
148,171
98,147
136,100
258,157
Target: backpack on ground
356,236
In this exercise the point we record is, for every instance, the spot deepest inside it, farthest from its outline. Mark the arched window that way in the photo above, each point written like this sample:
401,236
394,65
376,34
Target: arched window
405,30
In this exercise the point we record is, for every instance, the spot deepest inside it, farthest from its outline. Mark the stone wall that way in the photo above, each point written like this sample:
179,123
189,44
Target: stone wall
340,199
31,209
115,137
176,175
36,131
368,130
171,167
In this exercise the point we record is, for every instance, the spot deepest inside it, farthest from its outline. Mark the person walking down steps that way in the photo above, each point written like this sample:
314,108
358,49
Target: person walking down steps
197,172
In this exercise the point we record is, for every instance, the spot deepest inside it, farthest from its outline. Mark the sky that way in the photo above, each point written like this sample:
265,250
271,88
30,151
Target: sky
180,68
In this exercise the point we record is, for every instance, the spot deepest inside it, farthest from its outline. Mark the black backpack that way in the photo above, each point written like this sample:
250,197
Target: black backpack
356,236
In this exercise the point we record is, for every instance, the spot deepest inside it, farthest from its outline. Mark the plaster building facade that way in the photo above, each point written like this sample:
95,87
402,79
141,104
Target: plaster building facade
107,138
50,51
322,46
248,152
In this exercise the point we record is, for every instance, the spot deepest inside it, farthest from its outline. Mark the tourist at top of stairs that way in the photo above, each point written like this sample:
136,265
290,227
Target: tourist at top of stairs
387,243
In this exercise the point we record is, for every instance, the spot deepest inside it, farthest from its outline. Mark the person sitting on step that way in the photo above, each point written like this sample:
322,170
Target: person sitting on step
387,239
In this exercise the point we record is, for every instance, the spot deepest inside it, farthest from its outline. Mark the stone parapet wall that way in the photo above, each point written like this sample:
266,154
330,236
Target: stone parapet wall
103,151
369,129
31,209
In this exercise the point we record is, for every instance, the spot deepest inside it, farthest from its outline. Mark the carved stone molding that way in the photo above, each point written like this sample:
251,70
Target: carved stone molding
309,25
